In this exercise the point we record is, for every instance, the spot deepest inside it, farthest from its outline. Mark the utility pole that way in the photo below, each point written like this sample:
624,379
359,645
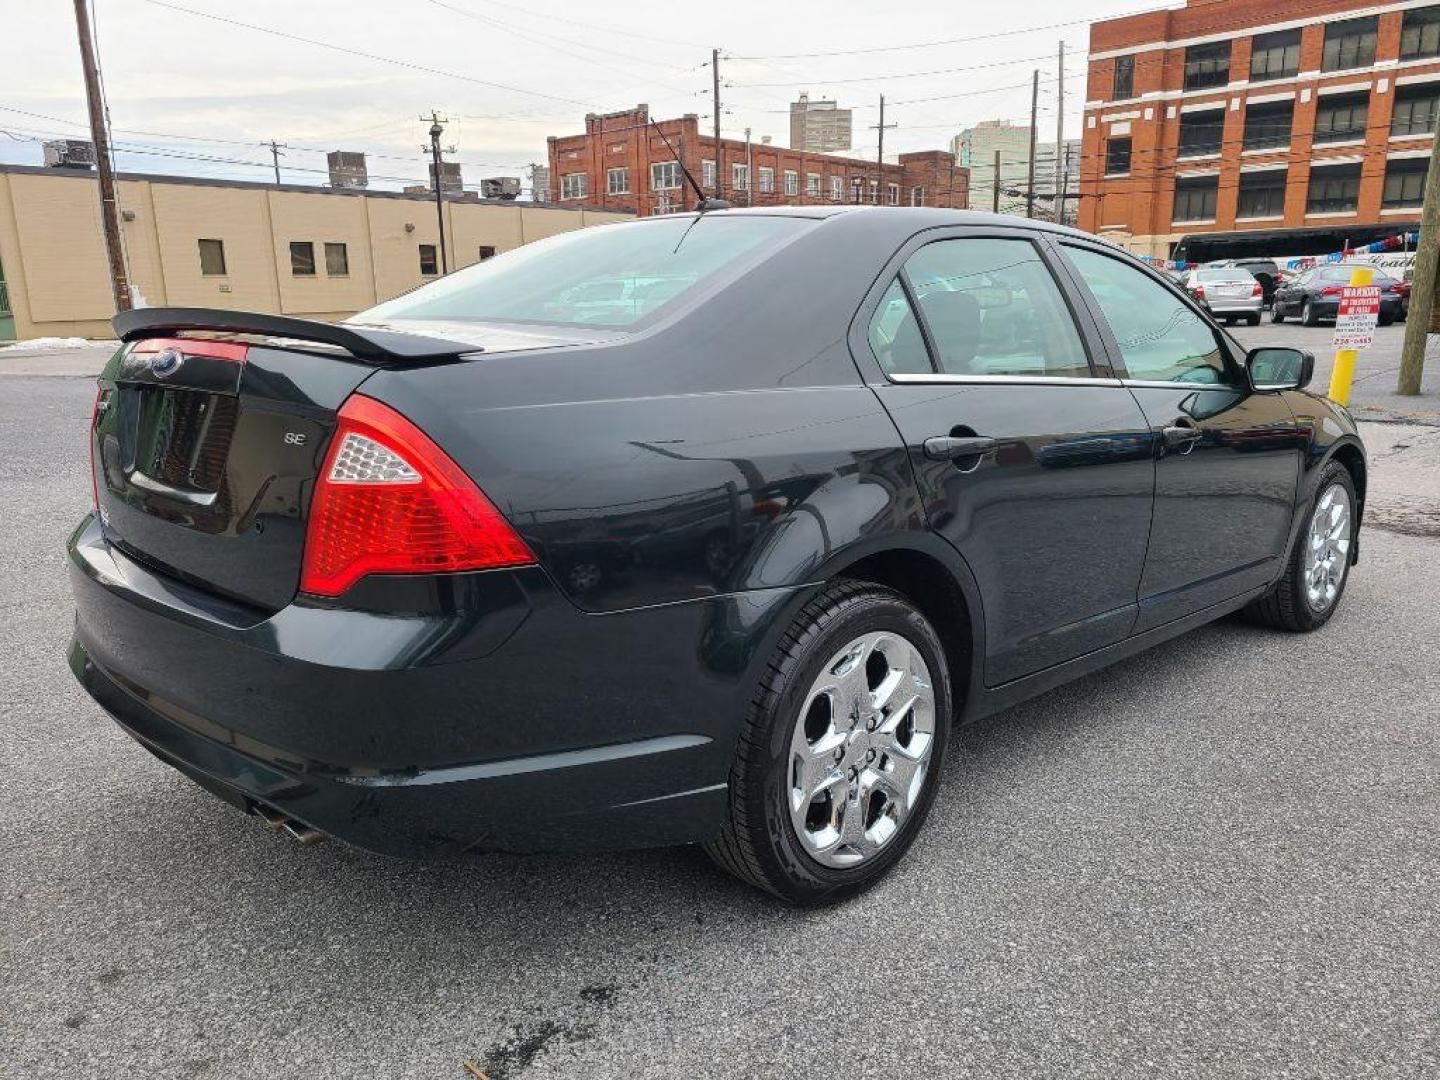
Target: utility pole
880,150
1034,113
275,156
749,171
1422,289
109,204
1060,134
715,81
436,130
995,194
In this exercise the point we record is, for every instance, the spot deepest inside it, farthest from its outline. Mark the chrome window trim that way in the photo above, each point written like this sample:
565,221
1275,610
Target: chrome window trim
906,378
1173,384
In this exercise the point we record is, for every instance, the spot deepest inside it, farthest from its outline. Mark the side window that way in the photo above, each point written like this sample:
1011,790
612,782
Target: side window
992,308
895,335
1161,339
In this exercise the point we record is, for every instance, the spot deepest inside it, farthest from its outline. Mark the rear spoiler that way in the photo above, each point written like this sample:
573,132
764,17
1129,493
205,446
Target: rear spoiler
370,344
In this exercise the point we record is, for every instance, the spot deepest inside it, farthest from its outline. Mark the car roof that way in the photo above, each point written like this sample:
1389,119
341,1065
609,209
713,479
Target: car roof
916,217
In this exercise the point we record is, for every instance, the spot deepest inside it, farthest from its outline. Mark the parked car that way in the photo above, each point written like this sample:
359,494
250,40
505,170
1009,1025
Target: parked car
1265,271
1228,293
1402,290
1315,294
835,496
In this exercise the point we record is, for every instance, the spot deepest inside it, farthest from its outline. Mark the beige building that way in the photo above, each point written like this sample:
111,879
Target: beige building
819,127
304,251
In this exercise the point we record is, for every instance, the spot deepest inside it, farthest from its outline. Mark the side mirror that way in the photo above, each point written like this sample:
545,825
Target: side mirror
1279,368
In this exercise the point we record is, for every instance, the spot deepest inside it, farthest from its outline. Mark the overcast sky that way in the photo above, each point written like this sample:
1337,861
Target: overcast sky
193,95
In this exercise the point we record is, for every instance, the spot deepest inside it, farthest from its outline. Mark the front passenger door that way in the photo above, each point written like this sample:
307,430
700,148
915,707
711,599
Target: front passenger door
1227,457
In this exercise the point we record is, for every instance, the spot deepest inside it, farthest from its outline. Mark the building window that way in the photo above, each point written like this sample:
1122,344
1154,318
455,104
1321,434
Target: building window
1275,56
740,177
707,174
1262,194
1420,33
487,251
1349,44
1117,157
617,181
1267,126
1201,133
575,185
1195,198
1340,117
429,264
874,191
1207,65
302,258
665,175
812,185
767,180
337,260
837,188
1124,85
1405,183
1334,189
917,196
1415,108
792,182
892,194
212,257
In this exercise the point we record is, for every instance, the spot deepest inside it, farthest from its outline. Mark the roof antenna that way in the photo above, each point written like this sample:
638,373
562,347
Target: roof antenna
704,204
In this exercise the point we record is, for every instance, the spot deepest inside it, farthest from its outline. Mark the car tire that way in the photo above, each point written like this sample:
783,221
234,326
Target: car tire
1252,320
1277,313
1307,314
1295,603
1387,320
766,839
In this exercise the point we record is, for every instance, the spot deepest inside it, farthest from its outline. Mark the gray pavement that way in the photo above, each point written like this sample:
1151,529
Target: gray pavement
1218,859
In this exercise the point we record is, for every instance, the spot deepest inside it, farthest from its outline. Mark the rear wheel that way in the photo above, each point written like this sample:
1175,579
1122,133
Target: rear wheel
840,750
1252,320
1307,314
1319,561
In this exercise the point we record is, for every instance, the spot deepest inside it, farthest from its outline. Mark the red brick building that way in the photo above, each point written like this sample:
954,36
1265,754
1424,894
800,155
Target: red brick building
1259,126
622,162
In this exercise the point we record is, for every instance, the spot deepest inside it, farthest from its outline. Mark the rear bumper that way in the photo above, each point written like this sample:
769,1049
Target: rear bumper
512,722
1330,308
1240,305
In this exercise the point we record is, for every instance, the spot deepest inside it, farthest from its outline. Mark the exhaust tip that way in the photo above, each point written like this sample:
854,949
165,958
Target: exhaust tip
304,834
273,819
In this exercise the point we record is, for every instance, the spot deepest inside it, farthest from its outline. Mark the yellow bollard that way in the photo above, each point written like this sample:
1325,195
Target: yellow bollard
1343,374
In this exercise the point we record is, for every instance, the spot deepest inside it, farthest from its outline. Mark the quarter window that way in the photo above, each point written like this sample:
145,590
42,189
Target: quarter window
302,258
1349,44
895,335
992,308
1275,56
1159,336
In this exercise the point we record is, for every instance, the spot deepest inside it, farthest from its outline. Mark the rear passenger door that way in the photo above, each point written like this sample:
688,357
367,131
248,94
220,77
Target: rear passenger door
1032,462
1228,457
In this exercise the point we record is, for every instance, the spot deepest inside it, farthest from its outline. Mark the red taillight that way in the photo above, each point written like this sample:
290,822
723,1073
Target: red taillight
1198,292
1332,290
389,501
1257,289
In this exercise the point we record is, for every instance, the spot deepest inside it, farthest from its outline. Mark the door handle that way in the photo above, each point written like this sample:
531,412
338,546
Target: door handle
1181,438
950,447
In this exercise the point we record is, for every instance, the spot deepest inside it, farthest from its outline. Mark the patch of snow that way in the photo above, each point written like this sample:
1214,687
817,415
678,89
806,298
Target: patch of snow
58,344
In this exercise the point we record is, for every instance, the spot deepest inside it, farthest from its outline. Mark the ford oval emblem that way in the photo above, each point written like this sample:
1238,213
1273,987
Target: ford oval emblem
166,362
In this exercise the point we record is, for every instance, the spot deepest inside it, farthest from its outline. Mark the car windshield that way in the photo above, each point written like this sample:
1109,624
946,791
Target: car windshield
610,275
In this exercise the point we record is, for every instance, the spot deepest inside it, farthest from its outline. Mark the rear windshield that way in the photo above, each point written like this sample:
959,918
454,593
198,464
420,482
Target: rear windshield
1342,274
608,275
1224,274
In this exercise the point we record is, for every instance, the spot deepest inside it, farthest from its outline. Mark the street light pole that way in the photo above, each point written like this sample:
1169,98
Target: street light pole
109,202
436,130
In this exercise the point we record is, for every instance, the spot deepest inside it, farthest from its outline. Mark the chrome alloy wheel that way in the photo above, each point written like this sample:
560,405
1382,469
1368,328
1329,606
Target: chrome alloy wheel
860,749
1327,548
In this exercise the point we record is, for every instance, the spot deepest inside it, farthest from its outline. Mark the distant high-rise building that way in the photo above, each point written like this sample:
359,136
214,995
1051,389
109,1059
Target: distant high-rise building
818,127
450,181
975,148
347,169
1045,180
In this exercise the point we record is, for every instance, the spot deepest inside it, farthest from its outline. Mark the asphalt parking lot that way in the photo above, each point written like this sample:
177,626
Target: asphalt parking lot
1218,859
